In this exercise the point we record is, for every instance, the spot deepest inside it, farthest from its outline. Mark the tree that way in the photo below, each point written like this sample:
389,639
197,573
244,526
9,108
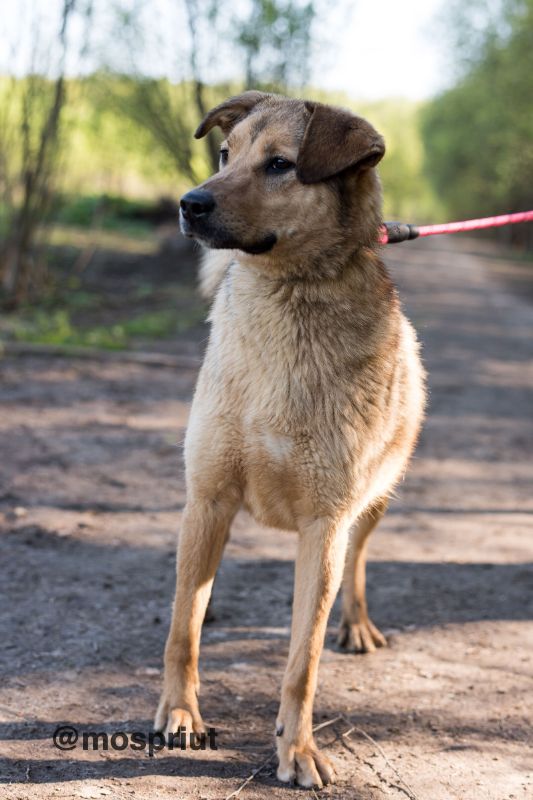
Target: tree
479,134
267,43
29,141
158,106
275,37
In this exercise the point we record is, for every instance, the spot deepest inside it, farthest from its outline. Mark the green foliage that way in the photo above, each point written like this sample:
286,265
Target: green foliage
107,212
407,192
114,166
110,151
276,38
479,134
56,327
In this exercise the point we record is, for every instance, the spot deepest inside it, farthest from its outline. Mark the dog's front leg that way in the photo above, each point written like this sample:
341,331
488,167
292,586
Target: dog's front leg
202,538
319,563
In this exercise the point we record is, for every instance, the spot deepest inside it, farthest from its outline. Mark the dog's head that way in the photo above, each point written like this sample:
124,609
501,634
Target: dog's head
294,176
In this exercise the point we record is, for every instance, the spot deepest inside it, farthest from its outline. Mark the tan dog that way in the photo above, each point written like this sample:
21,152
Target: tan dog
310,398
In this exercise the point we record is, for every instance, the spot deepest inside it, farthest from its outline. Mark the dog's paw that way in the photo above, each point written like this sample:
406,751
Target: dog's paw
305,765
170,720
359,637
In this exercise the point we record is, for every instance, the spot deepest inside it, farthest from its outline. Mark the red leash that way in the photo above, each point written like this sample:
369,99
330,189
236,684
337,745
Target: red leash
393,232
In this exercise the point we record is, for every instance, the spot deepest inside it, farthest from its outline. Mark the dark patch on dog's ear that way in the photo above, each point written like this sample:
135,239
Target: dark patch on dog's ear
335,140
229,113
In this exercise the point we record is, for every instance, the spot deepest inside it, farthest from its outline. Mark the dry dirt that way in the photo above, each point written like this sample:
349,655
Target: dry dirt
91,498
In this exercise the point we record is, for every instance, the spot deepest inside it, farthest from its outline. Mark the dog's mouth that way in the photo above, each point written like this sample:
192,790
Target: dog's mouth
218,238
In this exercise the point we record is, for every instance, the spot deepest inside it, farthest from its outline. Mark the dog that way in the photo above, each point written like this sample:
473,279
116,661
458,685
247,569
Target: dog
311,395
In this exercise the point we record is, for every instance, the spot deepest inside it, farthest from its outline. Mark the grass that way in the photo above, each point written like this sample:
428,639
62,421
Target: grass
79,306
137,242
111,210
106,281
57,328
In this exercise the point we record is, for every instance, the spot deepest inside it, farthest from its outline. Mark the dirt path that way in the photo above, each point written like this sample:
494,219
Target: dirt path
92,492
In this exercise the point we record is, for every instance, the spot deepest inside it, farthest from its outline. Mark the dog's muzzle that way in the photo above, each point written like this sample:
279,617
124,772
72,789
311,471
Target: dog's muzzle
196,222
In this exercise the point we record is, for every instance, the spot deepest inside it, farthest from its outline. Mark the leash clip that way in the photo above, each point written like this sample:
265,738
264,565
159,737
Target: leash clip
400,232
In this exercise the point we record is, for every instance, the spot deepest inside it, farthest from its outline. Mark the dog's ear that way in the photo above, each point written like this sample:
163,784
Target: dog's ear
229,113
334,140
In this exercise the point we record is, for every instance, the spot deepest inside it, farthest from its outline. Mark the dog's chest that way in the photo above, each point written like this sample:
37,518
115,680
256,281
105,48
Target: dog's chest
301,396
298,453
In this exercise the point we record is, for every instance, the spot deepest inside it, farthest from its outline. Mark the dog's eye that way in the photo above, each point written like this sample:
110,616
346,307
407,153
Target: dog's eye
279,164
224,157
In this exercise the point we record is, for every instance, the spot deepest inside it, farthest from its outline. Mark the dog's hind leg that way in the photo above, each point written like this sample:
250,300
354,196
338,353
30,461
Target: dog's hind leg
318,574
203,534
357,632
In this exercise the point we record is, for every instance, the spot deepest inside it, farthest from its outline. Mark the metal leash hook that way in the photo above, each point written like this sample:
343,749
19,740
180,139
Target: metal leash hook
394,232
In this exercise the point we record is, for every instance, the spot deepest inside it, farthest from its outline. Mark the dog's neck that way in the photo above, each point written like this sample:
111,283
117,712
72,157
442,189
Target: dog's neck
307,334
358,296
347,275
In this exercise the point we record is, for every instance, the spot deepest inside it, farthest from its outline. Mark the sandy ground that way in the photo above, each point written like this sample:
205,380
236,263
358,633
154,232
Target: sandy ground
91,498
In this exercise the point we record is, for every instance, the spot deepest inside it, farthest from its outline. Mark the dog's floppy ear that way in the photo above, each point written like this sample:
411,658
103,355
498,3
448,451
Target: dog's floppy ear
334,140
229,113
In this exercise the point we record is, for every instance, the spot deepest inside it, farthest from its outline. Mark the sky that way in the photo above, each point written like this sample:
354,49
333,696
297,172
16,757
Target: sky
381,49
387,49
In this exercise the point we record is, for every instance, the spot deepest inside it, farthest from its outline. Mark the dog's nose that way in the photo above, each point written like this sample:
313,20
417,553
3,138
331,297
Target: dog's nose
197,203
